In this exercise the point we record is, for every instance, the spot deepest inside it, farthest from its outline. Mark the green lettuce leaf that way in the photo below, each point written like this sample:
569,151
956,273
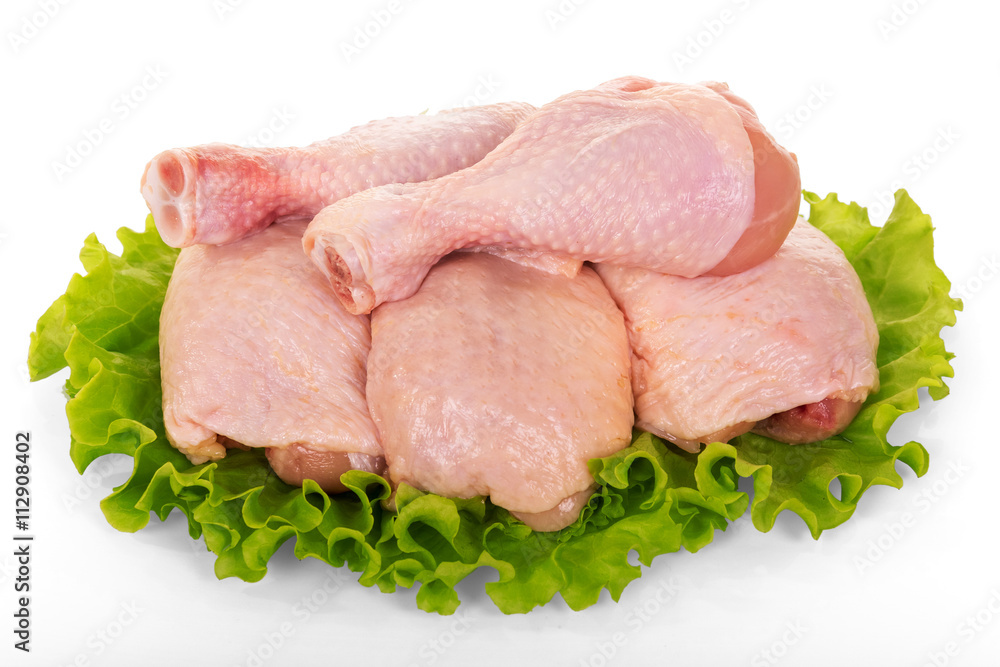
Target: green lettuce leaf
653,498
105,327
909,297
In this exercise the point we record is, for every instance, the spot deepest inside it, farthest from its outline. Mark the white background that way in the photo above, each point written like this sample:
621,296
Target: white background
871,95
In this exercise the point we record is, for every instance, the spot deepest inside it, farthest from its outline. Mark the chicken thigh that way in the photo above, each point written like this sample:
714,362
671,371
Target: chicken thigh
787,347
496,379
256,352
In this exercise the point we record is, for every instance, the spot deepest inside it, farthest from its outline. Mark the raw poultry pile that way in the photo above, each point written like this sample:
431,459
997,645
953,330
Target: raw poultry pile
478,302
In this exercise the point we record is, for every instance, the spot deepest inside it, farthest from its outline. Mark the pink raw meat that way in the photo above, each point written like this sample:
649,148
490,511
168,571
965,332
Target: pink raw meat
660,176
792,337
256,351
218,193
500,380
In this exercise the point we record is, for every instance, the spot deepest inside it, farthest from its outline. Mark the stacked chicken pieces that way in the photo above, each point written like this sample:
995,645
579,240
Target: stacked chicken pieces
478,302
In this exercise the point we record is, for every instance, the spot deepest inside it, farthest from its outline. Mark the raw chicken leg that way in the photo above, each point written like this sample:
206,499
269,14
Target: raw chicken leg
219,193
500,380
660,176
792,337
256,351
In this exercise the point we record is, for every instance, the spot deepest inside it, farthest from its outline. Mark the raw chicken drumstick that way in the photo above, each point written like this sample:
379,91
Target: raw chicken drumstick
219,193
634,172
496,379
256,352
786,348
